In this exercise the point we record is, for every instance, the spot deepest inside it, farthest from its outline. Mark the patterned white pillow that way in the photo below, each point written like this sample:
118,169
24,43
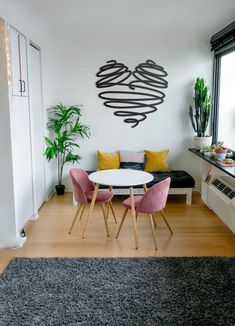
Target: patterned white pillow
131,160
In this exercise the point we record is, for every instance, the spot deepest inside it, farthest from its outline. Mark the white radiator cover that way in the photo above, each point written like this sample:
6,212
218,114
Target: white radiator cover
221,204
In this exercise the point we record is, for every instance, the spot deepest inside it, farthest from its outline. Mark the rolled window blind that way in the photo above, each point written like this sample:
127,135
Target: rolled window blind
224,39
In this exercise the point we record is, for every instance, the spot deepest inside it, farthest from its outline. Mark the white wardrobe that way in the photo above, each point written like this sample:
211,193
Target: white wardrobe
24,120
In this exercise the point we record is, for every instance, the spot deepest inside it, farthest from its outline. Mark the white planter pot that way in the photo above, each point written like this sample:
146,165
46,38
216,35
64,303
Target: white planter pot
200,142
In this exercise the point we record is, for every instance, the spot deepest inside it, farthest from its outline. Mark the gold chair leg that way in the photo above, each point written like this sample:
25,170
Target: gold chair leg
152,227
112,210
107,213
164,218
136,215
90,208
123,219
105,219
154,219
80,209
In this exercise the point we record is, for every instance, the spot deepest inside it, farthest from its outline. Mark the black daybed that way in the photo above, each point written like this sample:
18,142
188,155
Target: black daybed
182,183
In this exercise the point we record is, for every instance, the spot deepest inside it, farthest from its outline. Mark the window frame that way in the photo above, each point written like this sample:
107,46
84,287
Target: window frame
222,43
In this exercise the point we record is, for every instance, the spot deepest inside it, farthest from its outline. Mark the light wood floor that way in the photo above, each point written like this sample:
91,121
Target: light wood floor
197,232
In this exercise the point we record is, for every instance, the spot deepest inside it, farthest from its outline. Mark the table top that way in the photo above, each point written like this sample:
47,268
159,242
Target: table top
121,177
226,169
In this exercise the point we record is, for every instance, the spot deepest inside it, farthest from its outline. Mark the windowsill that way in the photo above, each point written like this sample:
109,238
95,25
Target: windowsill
228,170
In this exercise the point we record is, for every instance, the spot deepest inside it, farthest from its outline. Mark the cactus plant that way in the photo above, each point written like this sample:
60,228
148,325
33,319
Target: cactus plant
200,115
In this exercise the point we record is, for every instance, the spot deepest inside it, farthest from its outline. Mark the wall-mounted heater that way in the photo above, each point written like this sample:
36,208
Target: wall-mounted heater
221,199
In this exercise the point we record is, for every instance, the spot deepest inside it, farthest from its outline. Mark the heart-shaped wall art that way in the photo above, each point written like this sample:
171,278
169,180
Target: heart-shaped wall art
133,95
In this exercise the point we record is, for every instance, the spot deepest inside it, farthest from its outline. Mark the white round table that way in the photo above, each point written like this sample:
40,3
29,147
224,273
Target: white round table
119,178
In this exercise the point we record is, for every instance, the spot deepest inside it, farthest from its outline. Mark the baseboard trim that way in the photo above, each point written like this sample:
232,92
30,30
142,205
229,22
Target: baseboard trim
50,194
13,243
34,216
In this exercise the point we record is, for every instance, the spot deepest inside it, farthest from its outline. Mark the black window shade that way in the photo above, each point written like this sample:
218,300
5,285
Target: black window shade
224,38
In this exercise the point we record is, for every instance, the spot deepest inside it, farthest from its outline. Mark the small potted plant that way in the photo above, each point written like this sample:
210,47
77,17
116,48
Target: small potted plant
230,154
220,151
201,113
207,150
64,127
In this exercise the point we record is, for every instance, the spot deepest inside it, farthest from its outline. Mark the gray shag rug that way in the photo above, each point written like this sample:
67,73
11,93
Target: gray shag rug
118,291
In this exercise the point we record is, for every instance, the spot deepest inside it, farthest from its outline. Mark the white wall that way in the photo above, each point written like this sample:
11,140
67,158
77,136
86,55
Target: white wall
79,36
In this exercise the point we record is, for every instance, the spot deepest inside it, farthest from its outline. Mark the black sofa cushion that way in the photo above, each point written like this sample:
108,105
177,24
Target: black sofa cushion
179,179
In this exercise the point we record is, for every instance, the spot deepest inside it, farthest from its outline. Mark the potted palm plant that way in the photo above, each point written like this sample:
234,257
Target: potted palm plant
201,113
64,127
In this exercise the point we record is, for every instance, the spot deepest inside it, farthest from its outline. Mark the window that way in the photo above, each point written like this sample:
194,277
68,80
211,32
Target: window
226,105
223,122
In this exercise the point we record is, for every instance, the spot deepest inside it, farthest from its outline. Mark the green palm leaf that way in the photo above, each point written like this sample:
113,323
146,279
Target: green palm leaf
65,129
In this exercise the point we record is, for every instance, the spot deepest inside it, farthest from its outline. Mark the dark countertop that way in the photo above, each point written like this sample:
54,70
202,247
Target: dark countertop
229,170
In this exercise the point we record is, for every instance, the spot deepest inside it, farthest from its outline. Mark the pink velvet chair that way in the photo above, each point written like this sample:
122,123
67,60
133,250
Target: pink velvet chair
83,190
153,201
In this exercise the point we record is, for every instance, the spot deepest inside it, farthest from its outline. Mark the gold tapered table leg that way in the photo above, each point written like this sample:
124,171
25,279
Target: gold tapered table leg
134,216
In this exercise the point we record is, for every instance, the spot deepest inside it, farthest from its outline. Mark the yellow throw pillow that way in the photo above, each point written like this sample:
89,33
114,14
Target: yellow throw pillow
156,161
108,160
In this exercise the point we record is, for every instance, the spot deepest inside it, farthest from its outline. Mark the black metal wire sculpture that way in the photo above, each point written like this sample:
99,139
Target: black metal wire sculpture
135,99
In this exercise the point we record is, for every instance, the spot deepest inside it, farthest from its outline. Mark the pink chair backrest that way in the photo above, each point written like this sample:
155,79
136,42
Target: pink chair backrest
81,184
154,200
